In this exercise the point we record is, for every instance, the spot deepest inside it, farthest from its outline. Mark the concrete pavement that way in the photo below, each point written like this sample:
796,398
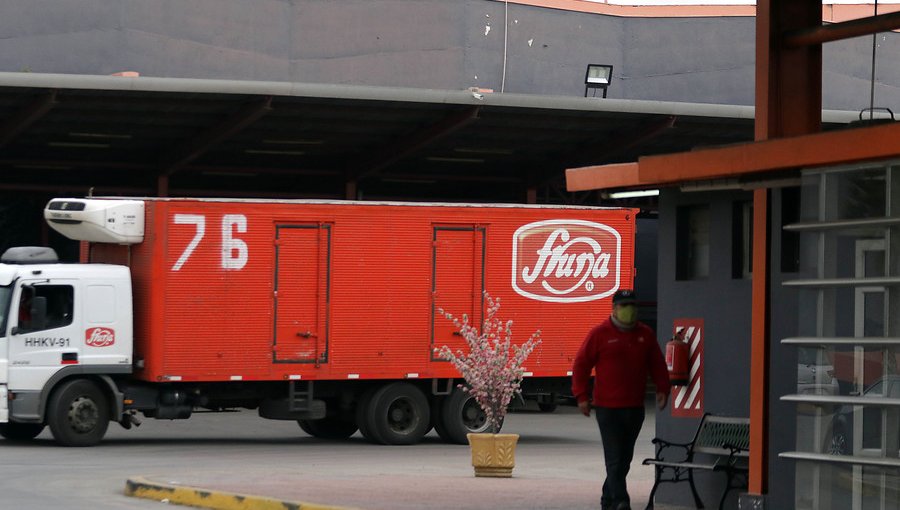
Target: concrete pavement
553,471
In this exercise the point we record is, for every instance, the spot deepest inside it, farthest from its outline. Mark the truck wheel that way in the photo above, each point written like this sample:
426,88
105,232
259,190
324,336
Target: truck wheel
78,413
328,428
20,431
461,415
839,443
437,420
399,414
547,407
363,415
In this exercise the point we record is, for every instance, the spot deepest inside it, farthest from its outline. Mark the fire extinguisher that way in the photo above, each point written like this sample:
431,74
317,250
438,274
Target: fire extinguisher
677,357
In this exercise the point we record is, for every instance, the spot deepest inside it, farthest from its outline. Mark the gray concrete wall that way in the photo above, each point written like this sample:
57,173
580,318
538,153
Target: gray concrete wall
724,305
419,43
703,60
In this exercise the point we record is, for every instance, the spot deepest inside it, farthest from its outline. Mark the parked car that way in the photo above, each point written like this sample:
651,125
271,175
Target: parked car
841,438
814,378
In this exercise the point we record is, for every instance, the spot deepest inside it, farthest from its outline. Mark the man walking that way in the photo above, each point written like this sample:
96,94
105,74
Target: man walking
622,352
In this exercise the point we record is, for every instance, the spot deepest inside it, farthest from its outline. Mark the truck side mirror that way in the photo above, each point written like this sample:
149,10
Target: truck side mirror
39,313
37,317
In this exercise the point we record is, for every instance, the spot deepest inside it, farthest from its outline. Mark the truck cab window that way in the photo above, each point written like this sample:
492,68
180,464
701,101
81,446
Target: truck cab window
59,309
5,295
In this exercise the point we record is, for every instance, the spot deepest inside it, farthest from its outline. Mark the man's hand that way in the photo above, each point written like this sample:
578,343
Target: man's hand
661,400
585,407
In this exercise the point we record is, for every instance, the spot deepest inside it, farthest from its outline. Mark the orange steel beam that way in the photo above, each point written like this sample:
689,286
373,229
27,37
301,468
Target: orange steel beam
788,104
759,346
588,178
844,30
766,43
819,149
788,81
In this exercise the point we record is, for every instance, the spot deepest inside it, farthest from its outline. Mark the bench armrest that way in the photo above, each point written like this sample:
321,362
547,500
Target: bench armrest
735,450
662,445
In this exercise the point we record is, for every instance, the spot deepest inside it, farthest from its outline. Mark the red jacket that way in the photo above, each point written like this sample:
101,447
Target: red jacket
621,360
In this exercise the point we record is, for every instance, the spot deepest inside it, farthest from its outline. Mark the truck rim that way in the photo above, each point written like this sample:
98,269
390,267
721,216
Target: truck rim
472,416
402,416
83,415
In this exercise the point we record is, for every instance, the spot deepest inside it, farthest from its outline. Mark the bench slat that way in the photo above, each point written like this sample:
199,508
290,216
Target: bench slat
717,432
691,465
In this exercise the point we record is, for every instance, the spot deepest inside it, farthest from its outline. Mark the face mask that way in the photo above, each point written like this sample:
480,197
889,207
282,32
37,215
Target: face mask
626,314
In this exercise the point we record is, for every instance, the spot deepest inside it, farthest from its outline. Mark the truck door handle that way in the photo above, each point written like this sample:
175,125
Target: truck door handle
306,334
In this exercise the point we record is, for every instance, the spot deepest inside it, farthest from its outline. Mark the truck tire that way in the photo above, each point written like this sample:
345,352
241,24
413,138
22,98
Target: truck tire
437,420
399,414
461,415
20,431
328,428
363,412
78,413
547,407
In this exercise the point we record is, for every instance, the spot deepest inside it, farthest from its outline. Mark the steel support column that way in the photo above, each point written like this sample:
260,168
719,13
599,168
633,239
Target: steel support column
788,103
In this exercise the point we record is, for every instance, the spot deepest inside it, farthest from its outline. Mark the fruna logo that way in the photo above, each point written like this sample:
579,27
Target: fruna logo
100,337
566,261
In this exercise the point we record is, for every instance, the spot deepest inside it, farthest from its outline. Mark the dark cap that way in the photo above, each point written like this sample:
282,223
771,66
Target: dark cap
624,297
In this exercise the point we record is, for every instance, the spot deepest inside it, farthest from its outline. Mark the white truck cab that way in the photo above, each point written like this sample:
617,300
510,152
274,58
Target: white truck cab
59,324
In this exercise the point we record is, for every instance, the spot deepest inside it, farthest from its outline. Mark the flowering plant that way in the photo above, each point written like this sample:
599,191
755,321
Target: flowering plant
492,368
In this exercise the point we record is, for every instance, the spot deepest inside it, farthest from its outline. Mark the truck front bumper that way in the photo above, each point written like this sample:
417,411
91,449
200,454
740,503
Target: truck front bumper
4,404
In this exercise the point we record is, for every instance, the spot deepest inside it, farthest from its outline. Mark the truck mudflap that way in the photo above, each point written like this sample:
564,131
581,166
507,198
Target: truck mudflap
4,404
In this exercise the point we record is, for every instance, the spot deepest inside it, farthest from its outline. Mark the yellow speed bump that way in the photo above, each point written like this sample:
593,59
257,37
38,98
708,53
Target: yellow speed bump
140,487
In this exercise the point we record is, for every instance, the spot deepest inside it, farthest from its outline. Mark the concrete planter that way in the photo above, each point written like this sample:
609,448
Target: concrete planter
493,455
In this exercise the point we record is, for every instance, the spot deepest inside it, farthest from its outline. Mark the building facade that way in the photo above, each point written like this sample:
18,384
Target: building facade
660,52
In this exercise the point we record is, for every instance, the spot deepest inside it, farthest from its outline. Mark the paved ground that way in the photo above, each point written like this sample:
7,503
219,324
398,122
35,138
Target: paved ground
559,470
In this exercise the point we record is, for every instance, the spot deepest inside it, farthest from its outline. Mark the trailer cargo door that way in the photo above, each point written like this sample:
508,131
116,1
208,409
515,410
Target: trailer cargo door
457,281
302,288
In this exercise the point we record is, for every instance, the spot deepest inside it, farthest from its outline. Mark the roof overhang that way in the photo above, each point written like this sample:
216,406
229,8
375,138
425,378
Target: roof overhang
128,135
840,147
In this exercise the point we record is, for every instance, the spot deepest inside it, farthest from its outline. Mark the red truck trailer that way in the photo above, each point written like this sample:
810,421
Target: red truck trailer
323,312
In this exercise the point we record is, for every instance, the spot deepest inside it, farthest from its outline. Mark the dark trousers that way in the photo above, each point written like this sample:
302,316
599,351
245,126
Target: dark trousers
619,429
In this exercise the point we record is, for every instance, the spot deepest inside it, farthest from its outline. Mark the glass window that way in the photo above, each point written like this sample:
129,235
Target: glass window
692,242
56,312
845,239
790,241
5,295
857,194
742,240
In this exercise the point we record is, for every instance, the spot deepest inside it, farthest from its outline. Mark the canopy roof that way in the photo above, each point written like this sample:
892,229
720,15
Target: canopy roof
120,135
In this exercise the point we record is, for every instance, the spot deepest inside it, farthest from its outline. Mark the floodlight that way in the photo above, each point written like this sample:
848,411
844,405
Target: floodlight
597,76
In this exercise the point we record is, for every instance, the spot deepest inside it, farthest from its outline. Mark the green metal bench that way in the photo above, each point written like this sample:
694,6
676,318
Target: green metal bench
723,442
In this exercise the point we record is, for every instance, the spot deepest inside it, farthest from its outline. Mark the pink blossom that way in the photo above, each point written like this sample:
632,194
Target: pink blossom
492,368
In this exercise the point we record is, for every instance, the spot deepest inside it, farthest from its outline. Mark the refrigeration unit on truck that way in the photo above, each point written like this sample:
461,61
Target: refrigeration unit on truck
326,313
